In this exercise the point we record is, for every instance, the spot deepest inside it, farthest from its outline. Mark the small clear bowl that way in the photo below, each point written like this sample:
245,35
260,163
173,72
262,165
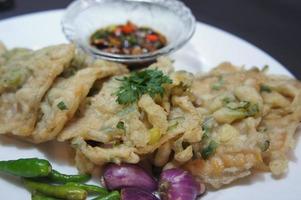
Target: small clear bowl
170,17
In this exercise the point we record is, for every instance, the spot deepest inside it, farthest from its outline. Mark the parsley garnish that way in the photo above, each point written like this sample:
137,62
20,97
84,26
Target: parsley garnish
62,106
149,81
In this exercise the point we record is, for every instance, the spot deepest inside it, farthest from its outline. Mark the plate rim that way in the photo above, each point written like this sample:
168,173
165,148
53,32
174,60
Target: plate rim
60,11
198,23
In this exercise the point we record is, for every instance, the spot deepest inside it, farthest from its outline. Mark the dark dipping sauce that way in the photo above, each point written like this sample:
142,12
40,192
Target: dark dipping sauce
127,39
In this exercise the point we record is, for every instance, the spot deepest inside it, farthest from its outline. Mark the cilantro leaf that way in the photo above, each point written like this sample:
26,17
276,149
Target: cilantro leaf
149,81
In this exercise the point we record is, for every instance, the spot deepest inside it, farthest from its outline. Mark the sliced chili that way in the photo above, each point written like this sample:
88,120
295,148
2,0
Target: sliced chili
127,39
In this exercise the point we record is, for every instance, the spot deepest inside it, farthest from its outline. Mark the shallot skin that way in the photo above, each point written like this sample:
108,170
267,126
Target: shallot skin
177,184
136,194
128,175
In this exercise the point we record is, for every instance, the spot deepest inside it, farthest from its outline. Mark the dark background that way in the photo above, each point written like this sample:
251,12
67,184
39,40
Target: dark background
272,25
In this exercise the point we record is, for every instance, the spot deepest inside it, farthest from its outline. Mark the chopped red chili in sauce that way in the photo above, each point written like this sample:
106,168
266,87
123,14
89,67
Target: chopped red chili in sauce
127,39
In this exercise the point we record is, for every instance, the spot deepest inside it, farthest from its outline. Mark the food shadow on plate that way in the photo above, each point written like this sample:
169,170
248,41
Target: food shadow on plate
13,180
60,152
11,141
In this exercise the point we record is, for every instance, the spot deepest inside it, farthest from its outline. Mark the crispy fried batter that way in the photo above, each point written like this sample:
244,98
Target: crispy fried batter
21,97
2,51
101,156
145,124
255,117
70,92
220,126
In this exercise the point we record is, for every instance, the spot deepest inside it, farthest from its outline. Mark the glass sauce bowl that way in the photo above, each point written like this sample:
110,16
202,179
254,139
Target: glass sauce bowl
169,17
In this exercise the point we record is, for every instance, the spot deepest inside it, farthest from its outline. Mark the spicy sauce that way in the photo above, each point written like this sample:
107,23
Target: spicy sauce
127,39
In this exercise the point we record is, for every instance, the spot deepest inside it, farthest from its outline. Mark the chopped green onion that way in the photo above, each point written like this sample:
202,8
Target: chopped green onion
263,129
227,100
209,150
265,68
239,105
132,40
265,88
173,123
173,126
62,106
219,84
265,146
253,109
120,125
244,107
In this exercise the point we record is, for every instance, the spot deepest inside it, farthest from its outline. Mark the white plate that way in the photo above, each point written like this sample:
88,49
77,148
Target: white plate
208,47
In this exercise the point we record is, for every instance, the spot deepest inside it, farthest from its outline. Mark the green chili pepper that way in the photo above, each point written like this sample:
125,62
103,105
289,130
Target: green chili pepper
112,196
28,168
41,197
58,177
92,189
57,191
